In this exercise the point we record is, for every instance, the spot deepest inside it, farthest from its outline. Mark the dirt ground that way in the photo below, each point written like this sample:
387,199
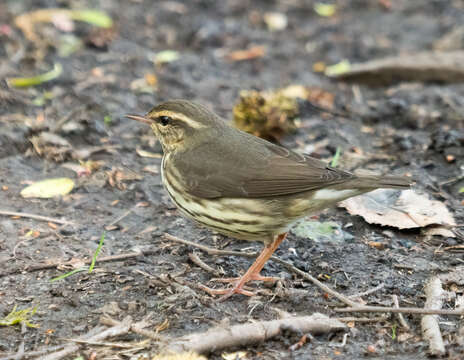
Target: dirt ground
411,127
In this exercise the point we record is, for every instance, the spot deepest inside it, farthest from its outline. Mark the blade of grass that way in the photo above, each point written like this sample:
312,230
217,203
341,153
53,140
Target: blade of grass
61,277
94,17
336,157
36,80
94,259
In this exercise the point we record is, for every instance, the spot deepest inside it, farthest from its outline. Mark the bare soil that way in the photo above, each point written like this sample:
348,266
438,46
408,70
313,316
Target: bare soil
416,124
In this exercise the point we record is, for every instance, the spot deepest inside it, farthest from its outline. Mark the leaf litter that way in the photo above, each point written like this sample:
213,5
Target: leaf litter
405,209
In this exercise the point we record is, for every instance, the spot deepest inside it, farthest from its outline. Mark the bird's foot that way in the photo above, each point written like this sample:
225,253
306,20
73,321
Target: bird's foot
226,292
238,285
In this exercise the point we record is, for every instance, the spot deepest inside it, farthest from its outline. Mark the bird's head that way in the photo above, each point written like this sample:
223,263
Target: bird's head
181,124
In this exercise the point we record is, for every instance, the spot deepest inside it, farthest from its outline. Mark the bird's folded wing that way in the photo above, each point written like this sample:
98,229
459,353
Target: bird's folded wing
275,171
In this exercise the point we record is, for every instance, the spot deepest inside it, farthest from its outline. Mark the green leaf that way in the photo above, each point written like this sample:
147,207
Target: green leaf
69,44
328,231
19,317
338,69
36,80
94,17
94,259
107,119
325,10
461,190
166,56
394,326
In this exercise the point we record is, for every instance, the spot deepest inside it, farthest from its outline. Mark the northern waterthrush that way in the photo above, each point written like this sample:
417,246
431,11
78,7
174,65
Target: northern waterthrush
243,186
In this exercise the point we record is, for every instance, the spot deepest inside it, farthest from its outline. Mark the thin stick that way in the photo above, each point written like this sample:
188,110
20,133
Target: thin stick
405,310
138,327
99,343
122,328
36,217
289,266
429,323
354,306
316,282
196,260
54,265
401,319
209,250
367,292
362,320
119,218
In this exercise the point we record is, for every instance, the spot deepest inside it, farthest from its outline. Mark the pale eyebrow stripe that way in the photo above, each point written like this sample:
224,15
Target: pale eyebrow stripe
181,117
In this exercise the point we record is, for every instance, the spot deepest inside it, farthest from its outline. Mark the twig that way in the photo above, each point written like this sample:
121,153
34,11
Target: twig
54,265
121,328
367,292
219,338
209,250
32,353
119,218
316,282
401,319
353,305
404,310
99,343
36,217
430,329
138,327
289,266
363,320
196,260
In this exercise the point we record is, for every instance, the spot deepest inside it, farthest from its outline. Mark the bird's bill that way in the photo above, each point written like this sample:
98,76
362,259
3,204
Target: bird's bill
140,118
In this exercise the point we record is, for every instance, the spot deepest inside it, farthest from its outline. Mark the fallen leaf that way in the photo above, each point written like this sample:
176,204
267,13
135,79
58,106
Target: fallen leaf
339,69
27,21
252,52
275,21
179,356
165,56
116,177
325,10
401,209
234,356
48,188
328,231
35,80
439,231
151,169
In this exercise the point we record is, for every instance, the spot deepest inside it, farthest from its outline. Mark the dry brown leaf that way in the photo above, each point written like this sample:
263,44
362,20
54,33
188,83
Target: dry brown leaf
247,54
403,210
116,177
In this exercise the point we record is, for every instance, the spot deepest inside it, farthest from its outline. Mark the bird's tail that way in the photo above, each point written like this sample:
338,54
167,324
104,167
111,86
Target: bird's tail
388,182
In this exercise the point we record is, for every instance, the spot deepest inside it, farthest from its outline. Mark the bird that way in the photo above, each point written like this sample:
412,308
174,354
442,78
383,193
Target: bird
243,186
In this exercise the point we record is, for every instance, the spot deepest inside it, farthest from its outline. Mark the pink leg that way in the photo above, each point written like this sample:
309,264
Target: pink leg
253,273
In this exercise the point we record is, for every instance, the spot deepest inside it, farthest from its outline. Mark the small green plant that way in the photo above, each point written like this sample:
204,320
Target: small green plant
336,157
84,268
19,317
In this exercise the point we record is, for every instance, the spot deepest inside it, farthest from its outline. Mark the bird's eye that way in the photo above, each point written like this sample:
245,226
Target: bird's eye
164,120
